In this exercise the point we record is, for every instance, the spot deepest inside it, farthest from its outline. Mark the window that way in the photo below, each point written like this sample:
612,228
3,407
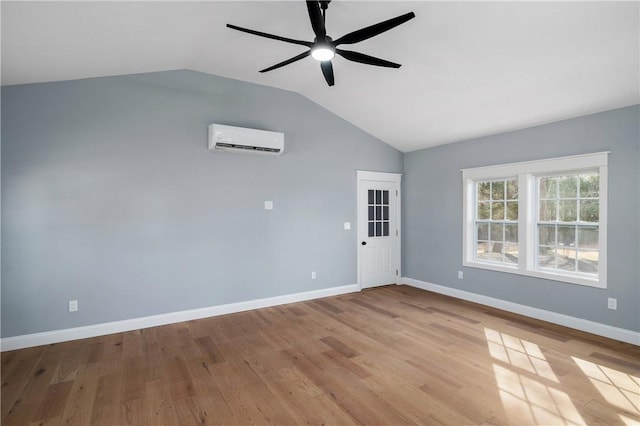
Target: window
568,222
544,218
496,222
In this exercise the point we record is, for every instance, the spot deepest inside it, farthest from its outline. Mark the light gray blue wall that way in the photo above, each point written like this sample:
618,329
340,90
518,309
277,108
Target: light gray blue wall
110,197
432,215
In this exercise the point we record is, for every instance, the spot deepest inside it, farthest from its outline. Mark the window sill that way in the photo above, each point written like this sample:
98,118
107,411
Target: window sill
569,279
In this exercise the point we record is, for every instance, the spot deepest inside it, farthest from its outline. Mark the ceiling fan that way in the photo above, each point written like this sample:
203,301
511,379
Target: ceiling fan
324,48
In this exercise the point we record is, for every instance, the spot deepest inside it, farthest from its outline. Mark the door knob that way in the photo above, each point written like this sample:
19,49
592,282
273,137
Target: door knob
364,243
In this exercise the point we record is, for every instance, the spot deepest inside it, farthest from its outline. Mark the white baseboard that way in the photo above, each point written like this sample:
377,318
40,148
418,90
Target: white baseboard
581,324
56,336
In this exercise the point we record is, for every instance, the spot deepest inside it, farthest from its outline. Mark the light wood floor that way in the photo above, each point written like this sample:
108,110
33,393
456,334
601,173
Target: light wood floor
392,355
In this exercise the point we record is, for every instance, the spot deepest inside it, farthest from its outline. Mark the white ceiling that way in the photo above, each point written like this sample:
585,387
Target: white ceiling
469,68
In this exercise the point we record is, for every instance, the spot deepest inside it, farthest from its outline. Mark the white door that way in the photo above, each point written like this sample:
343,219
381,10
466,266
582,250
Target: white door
378,228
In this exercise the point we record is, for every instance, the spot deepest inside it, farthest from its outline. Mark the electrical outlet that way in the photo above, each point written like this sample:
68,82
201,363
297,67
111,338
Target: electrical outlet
73,305
612,303
313,275
460,275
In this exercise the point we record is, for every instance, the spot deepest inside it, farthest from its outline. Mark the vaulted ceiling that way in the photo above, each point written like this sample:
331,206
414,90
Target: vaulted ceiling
469,69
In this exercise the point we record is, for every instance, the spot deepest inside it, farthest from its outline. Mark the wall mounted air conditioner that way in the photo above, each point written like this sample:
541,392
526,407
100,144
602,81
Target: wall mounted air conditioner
242,140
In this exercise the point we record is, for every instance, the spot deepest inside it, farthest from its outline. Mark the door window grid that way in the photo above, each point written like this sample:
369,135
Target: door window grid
496,223
378,212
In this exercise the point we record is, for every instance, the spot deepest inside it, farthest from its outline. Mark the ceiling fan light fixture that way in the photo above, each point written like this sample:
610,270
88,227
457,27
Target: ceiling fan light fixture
323,48
322,53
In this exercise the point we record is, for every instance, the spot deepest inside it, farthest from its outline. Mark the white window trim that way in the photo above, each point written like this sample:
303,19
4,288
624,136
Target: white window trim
526,173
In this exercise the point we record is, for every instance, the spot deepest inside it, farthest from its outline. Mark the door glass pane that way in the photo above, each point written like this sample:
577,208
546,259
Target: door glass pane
378,212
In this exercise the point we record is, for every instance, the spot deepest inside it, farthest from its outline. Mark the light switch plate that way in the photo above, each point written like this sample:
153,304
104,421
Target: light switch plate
268,205
347,226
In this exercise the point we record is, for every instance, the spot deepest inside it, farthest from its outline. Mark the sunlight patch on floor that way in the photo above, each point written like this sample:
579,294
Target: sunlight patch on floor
617,388
528,399
519,353
629,421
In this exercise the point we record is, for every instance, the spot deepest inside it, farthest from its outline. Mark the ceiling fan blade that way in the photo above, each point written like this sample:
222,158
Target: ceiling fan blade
317,20
373,30
366,59
271,36
288,61
327,70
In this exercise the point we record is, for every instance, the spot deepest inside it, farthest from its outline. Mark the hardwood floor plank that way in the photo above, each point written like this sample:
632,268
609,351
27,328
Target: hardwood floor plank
469,337
466,407
107,402
615,361
210,349
340,347
38,382
391,355
81,398
362,405
326,305
247,395
17,368
374,308
53,402
158,406
453,315
539,330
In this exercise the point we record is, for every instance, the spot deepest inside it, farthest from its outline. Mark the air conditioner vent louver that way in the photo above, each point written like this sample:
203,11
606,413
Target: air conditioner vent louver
247,147
242,140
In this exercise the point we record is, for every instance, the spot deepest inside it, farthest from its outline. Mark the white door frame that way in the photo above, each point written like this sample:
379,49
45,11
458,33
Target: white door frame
396,178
